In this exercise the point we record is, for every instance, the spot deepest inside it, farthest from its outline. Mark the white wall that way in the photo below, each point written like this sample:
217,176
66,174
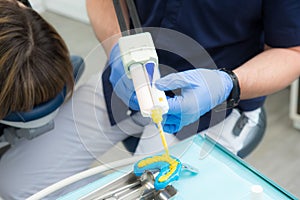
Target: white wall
38,5
75,9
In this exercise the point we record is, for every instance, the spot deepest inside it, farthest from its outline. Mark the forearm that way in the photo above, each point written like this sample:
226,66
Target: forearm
104,21
268,72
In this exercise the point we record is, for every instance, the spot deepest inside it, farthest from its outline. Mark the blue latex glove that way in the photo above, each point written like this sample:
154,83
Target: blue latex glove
201,90
123,86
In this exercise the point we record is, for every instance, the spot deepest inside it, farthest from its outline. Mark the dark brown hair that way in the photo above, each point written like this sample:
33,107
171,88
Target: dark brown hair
34,60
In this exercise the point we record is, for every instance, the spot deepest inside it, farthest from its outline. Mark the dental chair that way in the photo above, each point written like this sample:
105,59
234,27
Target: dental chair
39,120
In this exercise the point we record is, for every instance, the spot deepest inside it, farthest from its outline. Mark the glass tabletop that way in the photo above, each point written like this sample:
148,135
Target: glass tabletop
222,175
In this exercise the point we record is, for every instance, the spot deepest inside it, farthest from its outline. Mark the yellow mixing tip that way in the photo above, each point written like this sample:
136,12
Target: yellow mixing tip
156,116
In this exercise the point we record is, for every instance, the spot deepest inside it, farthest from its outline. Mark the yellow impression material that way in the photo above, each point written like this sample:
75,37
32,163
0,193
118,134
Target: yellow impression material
173,164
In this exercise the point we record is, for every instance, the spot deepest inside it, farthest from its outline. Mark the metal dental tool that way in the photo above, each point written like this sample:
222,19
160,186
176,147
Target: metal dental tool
130,187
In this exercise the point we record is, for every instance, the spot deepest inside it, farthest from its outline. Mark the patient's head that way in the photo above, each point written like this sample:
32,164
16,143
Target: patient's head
34,60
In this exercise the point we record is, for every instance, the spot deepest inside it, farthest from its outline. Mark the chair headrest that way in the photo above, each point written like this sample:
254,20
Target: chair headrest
41,111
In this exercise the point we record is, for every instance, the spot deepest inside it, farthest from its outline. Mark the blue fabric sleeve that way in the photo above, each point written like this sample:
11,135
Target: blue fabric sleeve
281,22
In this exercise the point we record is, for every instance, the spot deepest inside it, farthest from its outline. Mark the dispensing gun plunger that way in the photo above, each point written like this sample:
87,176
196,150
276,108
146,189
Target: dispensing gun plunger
141,65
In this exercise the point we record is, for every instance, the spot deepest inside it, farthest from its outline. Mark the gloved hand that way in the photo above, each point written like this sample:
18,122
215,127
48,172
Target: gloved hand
201,90
123,86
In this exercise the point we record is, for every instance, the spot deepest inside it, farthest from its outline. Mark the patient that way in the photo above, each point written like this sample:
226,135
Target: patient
35,67
34,60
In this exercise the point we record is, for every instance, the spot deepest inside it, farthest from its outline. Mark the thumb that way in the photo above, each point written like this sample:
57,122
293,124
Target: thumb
172,81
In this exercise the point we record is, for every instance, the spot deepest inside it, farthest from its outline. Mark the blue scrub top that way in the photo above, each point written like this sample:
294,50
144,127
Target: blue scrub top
231,31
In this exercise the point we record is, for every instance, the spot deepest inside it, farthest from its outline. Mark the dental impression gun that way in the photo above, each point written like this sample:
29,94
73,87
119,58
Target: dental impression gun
141,65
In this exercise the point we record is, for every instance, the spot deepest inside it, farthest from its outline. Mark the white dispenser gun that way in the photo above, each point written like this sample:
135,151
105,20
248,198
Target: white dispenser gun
141,65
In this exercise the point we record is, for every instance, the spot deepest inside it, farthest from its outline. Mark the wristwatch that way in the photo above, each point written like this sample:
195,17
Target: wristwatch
234,96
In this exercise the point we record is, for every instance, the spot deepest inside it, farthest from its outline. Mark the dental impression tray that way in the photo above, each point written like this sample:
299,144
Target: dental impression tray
167,167
150,179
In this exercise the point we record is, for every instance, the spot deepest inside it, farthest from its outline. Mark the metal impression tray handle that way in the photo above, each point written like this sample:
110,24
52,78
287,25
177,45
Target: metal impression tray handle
130,186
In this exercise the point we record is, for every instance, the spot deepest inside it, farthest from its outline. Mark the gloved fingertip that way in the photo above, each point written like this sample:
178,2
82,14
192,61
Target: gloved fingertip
160,86
170,129
174,105
164,82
